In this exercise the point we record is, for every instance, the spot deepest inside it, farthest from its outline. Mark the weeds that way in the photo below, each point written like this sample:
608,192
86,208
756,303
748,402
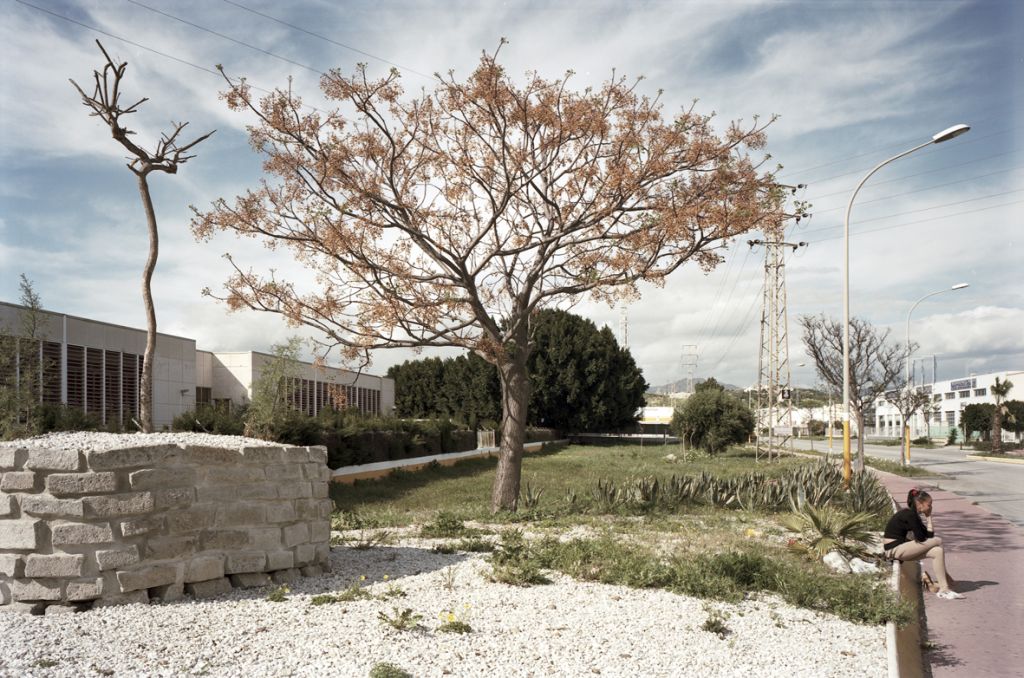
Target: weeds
448,579
402,620
324,599
280,594
715,623
386,670
512,563
446,526
529,497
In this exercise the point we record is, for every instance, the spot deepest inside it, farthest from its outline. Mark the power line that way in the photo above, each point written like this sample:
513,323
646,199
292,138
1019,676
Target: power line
923,221
921,190
325,38
923,209
718,293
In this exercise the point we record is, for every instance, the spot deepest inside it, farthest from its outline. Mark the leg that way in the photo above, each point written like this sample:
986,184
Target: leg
931,548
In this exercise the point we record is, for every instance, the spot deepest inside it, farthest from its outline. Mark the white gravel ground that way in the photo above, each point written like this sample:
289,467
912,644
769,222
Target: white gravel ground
98,440
567,628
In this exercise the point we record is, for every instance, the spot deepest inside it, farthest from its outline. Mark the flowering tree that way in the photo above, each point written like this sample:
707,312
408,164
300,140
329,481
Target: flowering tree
450,218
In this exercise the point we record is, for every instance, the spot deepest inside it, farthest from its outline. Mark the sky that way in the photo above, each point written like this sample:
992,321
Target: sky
853,83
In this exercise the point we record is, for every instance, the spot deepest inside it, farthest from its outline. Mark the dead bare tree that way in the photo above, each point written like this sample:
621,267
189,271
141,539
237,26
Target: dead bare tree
105,103
876,365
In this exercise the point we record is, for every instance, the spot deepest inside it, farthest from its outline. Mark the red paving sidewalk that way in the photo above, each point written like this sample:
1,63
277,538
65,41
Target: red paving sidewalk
982,635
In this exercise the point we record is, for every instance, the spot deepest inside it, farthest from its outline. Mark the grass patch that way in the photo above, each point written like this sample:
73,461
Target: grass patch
561,481
894,467
386,670
445,526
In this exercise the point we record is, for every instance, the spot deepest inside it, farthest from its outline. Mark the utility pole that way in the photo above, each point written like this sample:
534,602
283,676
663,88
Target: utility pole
624,325
774,404
689,364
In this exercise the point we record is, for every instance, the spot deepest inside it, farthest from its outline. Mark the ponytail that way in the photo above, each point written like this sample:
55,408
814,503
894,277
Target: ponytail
916,495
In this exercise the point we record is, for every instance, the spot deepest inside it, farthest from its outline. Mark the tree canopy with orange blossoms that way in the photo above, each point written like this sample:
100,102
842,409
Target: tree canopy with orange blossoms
451,217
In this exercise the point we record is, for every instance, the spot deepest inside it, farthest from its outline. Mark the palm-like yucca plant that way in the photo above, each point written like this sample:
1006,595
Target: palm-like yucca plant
826,529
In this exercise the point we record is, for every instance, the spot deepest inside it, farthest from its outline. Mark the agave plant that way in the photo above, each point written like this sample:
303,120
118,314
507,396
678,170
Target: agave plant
530,496
867,495
827,529
607,494
643,493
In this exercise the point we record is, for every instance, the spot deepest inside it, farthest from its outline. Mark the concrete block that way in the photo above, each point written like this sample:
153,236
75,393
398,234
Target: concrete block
60,484
298,489
168,593
265,538
311,571
166,548
52,566
319,489
21,535
326,508
208,589
318,454
140,597
12,565
149,577
6,598
280,512
192,520
295,534
211,540
263,455
204,568
144,525
286,576
231,493
84,589
296,455
159,478
122,556
12,458
200,454
174,497
155,455
234,475
81,534
320,531
285,471
45,505
280,560
241,562
250,580
241,514
323,557
306,509
305,554
115,505
18,481
53,460
35,589
8,507
56,610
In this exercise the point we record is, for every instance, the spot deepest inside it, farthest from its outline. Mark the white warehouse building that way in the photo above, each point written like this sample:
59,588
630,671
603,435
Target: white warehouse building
96,367
949,398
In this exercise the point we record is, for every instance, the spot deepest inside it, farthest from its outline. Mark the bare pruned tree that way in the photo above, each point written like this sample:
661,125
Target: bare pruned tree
908,401
876,365
105,103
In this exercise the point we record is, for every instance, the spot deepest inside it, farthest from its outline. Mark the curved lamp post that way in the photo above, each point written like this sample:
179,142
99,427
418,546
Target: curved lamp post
906,424
944,135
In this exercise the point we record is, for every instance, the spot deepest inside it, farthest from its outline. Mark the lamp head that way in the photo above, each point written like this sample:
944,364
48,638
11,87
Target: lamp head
959,286
950,133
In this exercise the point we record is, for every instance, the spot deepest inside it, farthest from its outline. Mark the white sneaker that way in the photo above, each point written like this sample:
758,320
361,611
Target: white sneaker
950,595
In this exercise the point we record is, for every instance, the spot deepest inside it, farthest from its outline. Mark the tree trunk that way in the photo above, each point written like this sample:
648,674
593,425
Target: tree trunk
860,442
515,399
997,429
146,385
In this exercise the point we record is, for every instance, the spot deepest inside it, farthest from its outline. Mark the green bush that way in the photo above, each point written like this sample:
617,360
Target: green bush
954,434
209,419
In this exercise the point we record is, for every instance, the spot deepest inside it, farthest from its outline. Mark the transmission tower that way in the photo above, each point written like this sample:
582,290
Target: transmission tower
774,406
689,364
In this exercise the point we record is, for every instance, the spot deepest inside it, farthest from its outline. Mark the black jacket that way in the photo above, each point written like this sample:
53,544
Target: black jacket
905,521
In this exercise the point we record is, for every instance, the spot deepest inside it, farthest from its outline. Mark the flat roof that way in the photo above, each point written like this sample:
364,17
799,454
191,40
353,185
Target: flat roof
93,320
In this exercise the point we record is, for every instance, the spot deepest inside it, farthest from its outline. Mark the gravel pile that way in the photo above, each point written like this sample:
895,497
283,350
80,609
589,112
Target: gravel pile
567,628
95,440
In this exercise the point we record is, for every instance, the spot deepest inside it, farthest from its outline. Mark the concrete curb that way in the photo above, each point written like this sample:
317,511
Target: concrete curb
349,474
891,653
998,460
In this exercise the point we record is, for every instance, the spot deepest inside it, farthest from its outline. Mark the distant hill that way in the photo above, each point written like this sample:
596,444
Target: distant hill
680,385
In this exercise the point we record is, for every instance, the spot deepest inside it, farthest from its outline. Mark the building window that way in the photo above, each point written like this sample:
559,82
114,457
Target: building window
951,418
965,394
980,392
950,396
204,396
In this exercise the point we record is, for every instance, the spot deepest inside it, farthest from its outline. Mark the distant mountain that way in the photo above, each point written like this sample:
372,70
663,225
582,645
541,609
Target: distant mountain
680,385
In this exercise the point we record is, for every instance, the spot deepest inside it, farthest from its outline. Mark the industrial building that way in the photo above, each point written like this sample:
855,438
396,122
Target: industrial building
96,367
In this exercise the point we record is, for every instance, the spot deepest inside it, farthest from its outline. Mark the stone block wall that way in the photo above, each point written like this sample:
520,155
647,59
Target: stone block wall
130,524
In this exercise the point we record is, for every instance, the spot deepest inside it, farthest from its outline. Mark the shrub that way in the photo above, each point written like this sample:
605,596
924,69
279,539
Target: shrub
712,419
387,670
952,437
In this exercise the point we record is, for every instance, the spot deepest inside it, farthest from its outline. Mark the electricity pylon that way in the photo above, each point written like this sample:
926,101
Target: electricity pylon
774,406
689,364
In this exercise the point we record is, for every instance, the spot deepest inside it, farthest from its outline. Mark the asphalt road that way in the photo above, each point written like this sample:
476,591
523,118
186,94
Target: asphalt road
997,486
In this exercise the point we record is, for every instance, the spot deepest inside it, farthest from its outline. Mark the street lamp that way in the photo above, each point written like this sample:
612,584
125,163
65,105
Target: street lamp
944,135
906,424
